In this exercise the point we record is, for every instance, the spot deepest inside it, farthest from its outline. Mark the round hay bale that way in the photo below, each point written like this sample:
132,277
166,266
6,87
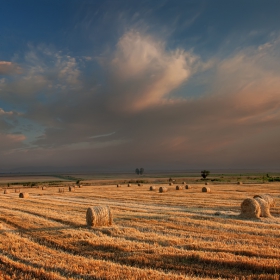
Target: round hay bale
179,188
188,187
23,195
239,183
44,188
71,189
140,185
99,216
163,189
184,183
265,211
6,191
206,189
170,184
129,185
268,198
61,190
250,208
152,188
17,190
206,183
80,186
118,185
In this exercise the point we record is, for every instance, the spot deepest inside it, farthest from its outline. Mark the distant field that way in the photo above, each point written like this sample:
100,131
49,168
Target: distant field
184,234
19,179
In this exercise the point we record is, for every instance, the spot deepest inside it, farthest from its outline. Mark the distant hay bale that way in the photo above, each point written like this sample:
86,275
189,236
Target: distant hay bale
152,188
184,183
44,188
99,216
250,208
163,189
129,185
206,183
239,183
80,186
61,190
140,185
179,188
170,184
188,187
23,195
17,190
268,198
118,185
264,206
206,189
6,191
71,189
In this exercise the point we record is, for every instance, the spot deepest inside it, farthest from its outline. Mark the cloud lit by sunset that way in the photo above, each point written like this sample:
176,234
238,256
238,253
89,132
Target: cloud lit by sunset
113,84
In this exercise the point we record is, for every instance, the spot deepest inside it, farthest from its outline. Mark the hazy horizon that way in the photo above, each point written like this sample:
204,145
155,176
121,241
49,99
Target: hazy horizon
164,85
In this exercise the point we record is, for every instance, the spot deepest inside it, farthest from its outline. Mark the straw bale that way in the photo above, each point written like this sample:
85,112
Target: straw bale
206,183
24,195
163,189
118,185
17,190
99,216
44,188
6,191
184,183
61,190
71,189
179,188
265,212
268,198
250,208
239,183
129,185
188,187
152,188
170,184
140,184
206,189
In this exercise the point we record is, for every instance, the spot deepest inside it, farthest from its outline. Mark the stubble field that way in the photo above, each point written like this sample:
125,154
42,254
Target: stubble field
180,234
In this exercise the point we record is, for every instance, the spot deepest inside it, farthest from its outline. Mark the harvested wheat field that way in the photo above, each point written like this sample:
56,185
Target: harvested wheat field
170,235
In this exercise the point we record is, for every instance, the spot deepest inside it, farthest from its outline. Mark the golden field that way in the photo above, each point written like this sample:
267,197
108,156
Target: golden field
180,234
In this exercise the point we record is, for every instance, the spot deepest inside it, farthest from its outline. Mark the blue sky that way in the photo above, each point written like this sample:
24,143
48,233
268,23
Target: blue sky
110,85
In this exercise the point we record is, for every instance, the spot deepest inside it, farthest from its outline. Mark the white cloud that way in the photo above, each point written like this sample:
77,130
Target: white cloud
144,73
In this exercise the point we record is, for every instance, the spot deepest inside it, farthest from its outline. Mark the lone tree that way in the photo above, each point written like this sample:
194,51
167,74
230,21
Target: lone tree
205,173
139,171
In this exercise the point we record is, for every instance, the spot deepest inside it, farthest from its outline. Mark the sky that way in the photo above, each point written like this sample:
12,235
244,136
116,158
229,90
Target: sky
115,84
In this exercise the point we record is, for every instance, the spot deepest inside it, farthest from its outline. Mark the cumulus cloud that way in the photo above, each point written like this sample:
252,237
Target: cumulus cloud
143,73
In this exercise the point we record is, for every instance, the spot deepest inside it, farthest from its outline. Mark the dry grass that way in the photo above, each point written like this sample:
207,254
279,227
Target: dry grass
173,235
